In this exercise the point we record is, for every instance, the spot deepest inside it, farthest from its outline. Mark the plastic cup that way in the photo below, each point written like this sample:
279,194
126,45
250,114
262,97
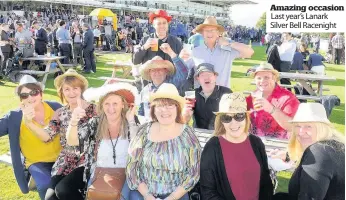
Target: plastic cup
257,94
156,46
190,96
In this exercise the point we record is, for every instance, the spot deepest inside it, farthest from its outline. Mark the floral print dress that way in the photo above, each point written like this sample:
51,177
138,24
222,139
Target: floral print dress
71,157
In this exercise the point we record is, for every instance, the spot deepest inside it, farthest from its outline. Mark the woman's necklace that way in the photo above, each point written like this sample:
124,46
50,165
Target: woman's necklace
113,146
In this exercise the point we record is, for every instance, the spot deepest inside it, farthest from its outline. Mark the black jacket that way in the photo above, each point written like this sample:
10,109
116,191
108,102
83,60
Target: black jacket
41,38
4,37
214,181
321,173
274,57
142,56
88,40
203,112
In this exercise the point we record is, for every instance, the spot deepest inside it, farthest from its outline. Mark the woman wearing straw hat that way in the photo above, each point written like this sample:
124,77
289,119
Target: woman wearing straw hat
319,151
272,105
158,71
39,155
218,51
71,161
234,163
108,134
165,154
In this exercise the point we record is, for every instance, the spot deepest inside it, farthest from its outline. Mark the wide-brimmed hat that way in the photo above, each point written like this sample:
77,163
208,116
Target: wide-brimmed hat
156,63
125,90
28,79
205,67
210,21
167,91
159,13
266,67
70,72
310,112
232,103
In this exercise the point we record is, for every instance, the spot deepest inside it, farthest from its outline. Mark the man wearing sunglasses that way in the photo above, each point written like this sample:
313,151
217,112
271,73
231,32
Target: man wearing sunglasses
208,97
39,156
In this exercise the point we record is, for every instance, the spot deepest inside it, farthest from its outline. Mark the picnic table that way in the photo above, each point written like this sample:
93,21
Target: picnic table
47,60
126,68
304,78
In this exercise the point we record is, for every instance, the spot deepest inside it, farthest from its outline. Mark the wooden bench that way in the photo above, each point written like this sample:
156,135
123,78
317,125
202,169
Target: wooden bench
292,86
67,66
131,81
126,68
308,97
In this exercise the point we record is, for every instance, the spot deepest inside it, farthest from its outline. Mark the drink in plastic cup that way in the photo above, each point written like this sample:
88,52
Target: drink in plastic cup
190,96
156,47
256,94
48,54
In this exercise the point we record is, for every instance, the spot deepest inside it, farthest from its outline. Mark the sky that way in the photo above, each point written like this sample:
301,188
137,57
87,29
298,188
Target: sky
247,14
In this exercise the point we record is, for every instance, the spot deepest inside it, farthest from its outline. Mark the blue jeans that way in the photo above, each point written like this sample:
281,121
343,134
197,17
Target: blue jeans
41,173
136,195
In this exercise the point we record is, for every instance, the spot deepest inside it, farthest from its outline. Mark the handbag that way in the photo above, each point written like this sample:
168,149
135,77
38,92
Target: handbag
107,184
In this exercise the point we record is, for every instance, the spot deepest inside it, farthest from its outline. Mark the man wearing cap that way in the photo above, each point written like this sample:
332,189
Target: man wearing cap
158,71
169,46
271,112
218,51
208,97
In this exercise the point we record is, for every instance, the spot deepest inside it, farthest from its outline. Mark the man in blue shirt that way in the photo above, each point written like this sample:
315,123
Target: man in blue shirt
63,36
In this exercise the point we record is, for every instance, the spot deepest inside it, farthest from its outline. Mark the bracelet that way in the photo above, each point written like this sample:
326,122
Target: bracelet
273,110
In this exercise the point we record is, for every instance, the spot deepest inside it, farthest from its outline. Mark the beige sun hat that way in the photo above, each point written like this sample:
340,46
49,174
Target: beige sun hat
156,63
210,21
70,72
232,103
167,91
310,112
266,67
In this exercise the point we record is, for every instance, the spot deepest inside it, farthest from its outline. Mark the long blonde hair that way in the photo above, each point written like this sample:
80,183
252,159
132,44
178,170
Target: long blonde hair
103,129
323,132
220,128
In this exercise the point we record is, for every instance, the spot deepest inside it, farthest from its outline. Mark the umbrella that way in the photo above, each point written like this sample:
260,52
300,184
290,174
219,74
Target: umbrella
102,12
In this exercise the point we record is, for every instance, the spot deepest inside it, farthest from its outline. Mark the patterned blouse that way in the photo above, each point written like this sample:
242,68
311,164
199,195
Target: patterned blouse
71,157
166,165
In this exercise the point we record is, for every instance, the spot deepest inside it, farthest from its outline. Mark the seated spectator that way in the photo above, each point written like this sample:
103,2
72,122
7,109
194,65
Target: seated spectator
298,61
207,96
234,163
304,51
275,108
39,155
319,151
166,138
315,63
159,71
108,134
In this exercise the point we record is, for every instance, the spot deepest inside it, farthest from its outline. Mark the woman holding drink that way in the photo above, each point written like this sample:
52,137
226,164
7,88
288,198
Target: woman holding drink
272,105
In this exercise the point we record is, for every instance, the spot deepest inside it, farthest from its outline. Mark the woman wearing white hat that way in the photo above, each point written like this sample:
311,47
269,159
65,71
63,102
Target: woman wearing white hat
39,155
234,163
165,154
109,135
71,161
320,152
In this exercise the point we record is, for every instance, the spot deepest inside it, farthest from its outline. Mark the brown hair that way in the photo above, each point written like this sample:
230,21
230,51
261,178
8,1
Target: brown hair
73,82
31,86
102,128
220,129
166,101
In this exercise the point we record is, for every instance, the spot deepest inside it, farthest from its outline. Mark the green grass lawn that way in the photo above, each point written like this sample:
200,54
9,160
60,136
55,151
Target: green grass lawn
8,186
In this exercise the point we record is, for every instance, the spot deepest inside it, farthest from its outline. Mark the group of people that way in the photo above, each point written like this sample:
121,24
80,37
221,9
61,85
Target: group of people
99,136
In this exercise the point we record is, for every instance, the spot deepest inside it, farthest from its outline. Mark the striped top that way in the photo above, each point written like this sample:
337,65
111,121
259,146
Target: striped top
166,165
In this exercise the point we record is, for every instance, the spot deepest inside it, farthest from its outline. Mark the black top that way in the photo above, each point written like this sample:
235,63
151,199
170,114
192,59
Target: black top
4,37
274,57
203,112
41,38
141,56
213,180
88,40
321,173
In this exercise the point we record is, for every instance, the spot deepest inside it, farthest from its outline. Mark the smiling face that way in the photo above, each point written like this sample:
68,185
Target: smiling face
306,134
31,96
158,75
210,34
112,106
265,81
71,93
161,26
166,111
207,80
236,127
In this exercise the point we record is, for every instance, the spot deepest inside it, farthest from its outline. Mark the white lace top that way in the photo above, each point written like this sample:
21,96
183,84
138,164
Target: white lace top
105,153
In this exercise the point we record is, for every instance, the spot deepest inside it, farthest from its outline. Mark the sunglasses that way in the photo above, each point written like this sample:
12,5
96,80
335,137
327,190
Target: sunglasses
239,117
32,93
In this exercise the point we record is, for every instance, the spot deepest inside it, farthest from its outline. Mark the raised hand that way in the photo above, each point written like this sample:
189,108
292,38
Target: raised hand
28,112
79,112
130,114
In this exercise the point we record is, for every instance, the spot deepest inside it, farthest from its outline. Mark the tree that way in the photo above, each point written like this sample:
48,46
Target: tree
261,23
